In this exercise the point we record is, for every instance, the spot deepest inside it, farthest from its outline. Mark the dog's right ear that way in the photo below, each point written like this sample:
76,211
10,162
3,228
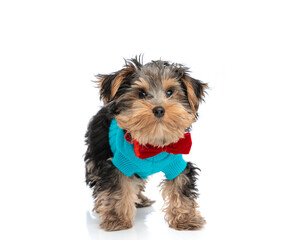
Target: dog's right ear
110,84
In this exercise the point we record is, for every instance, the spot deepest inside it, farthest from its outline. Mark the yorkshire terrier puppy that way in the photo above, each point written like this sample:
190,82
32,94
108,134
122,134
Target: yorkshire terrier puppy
143,128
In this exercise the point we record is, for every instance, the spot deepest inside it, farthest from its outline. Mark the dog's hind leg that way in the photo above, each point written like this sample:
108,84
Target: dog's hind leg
143,201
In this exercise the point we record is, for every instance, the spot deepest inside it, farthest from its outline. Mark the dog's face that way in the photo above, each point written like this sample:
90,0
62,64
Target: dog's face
156,102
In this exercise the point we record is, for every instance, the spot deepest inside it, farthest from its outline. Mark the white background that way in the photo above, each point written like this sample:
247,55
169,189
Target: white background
246,141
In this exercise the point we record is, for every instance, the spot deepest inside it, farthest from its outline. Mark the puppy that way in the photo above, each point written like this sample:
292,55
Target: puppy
143,128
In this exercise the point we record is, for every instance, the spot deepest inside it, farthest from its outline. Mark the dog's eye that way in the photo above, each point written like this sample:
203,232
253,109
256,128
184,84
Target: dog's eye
169,93
142,94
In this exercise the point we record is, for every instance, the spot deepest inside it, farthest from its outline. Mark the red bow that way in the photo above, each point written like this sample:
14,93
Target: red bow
183,146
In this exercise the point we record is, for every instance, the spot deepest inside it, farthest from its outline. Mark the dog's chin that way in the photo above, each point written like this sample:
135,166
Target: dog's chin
158,142
160,137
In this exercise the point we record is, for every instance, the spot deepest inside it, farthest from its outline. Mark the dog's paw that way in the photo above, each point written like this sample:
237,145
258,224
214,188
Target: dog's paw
115,225
188,223
145,202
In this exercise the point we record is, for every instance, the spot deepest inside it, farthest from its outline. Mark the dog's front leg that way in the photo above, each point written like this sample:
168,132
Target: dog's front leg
180,196
116,206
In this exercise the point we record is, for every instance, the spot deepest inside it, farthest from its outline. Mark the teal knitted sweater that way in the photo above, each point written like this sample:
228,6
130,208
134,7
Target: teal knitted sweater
125,160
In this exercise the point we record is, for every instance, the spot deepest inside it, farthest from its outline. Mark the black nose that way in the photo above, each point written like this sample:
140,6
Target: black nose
158,112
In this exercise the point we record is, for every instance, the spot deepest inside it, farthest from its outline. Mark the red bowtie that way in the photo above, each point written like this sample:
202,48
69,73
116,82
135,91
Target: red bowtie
183,146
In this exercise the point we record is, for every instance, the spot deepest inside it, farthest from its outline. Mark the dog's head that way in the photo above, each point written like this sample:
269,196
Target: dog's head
156,102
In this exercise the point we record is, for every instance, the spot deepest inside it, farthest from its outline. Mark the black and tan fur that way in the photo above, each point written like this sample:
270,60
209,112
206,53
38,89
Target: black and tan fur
130,95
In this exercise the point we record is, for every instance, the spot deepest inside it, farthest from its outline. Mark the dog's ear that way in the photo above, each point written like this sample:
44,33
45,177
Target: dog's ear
110,84
195,90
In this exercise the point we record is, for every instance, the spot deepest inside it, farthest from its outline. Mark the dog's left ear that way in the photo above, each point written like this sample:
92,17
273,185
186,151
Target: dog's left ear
195,91
111,83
